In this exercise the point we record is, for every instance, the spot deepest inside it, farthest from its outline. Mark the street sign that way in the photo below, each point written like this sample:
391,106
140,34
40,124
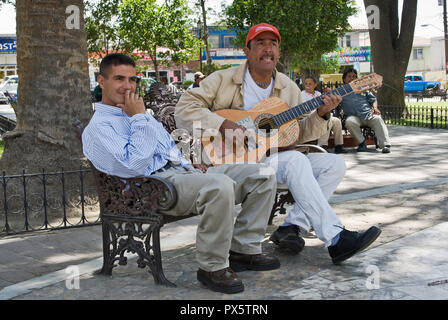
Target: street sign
7,45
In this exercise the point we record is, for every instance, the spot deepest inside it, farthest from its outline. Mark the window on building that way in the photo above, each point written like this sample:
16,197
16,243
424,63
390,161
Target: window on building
177,76
348,41
213,41
417,53
228,41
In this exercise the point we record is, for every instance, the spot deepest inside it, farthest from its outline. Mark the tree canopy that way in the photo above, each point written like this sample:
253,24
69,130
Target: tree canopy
149,27
308,28
101,26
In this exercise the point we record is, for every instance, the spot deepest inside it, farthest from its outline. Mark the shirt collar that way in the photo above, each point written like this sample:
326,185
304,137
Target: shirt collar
105,108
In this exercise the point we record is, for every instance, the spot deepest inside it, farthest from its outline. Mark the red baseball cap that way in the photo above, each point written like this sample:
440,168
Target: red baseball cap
259,28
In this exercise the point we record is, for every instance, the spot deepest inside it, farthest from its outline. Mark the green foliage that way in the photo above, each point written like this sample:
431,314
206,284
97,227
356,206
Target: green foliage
187,83
148,26
210,68
13,2
101,18
308,28
318,66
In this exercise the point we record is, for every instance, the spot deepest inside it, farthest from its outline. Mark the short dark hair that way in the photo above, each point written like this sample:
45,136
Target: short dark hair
347,71
312,78
114,59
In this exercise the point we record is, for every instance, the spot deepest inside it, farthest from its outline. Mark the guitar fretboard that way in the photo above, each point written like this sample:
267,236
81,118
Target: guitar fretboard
308,106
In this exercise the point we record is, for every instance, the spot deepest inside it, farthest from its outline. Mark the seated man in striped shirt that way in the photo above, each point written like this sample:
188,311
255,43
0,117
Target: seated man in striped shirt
124,140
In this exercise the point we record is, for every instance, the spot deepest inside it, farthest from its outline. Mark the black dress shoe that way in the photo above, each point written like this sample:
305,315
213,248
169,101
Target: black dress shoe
386,149
362,147
224,280
350,243
256,262
339,149
288,238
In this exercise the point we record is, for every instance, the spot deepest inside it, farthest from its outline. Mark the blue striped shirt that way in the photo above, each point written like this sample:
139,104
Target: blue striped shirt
127,147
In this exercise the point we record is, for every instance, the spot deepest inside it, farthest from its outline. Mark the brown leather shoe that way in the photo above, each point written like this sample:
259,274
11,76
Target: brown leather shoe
224,280
256,262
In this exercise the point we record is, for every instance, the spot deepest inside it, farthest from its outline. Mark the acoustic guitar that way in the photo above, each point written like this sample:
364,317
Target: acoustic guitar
271,126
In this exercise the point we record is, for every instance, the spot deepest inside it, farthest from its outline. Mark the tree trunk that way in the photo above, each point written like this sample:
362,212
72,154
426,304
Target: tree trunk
53,88
156,65
205,33
391,47
284,64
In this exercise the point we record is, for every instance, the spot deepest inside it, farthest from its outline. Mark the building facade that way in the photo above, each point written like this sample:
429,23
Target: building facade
427,57
8,55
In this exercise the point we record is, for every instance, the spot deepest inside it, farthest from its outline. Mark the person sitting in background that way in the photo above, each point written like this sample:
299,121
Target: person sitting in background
361,109
334,124
198,77
172,88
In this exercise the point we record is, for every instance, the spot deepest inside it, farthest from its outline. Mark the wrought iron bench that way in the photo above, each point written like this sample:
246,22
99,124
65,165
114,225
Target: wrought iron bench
130,209
131,218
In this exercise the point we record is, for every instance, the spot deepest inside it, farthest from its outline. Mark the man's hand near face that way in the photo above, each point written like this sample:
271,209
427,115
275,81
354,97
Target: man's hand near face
133,104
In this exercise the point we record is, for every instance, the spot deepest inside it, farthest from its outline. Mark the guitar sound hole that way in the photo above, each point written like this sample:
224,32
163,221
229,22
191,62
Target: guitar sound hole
266,126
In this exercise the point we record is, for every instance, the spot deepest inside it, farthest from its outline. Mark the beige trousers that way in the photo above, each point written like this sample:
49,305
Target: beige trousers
213,195
354,124
334,125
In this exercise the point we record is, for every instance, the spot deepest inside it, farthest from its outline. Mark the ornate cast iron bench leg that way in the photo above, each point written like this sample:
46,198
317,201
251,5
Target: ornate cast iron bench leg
157,270
136,235
108,257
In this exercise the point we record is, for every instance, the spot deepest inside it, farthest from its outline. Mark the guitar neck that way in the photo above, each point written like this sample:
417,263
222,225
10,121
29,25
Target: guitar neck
310,105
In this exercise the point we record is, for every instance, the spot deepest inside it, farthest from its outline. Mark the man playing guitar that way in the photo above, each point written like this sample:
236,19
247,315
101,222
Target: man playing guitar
311,178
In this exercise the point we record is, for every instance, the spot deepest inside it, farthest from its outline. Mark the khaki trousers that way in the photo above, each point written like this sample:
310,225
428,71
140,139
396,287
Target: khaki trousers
213,195
334,125
354,123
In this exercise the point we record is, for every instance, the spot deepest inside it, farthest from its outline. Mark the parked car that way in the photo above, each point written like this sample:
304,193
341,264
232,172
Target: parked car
9,85
415,83
146,83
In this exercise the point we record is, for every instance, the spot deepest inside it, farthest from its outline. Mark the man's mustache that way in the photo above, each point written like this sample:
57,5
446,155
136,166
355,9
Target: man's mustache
268,56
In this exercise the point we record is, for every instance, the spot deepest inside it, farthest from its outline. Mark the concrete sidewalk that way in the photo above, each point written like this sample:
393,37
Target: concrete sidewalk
404,193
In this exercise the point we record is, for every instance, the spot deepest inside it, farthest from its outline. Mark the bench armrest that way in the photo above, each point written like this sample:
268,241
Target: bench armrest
134,196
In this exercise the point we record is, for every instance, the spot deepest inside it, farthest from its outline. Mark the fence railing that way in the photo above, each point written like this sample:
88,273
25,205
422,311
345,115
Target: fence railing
416,116
47,201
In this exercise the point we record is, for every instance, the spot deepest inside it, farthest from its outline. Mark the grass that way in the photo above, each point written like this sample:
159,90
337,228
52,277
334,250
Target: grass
420,115
2,147
438,105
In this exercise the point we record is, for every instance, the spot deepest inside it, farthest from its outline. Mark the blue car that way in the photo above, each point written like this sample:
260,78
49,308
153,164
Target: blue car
415,83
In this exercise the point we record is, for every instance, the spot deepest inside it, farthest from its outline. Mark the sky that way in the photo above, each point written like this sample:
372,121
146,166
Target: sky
428,12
